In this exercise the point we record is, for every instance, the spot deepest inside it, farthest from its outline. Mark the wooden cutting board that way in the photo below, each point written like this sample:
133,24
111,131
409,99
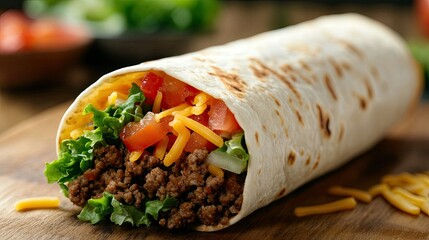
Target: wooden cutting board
26,148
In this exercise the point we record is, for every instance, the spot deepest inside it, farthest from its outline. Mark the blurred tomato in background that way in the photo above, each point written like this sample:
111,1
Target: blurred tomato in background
20,33
422,10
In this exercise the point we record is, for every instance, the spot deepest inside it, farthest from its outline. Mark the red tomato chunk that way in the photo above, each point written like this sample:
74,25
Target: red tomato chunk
138,136
221,119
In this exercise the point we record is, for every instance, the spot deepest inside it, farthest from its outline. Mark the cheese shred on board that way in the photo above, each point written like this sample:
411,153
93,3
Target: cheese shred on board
351,192
37,203
405,191
340,205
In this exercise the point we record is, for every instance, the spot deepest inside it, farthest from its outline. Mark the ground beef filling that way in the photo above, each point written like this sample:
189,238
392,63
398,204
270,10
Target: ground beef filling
202,197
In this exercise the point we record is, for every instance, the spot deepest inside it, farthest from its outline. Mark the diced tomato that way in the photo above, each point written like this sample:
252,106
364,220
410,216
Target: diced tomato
171,139
150,85
202,118
196,141
14,31
221,119
138,136
165,122
175,92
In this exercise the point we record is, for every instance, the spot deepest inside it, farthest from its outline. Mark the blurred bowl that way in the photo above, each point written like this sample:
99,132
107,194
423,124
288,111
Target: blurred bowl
134,48
33,67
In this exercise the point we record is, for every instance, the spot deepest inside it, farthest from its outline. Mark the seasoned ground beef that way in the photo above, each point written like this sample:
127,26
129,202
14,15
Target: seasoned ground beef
203,198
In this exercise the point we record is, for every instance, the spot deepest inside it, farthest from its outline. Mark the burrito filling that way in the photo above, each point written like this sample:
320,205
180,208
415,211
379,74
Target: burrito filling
165,153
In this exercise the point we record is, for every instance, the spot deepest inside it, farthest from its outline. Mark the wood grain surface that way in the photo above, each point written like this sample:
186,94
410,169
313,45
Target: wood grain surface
26,148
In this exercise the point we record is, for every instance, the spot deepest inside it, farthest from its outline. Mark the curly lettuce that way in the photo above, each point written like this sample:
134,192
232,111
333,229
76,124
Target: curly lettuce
99,209
76,156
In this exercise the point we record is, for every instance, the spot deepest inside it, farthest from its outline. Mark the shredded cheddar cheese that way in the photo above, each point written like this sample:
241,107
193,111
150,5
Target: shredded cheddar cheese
376,189
215,171
351,192
400,202
198,110
424,179
406,192
156,108
414,199
418,189
37,203
75,134
161,148
182,138
170,111
135,155
202,130
111,100
200,99
340,205
425,208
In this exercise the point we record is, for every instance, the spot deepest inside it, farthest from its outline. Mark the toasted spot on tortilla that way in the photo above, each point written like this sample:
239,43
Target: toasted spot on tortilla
257,138
328,84
281,192
282,121
369,88
362,103
231,81
327,129
286,132
346,66
341,134
264,127
259,171
287,68
202,59
323,121
293,78
317,162
352,48
291,158
301,152
277,112
337,68
375,72
305,78
307,162
303,48
281,77
276,101
298,115
305,66
260,74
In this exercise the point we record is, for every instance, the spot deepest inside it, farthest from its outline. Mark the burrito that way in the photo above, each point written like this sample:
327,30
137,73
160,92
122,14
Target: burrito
204,139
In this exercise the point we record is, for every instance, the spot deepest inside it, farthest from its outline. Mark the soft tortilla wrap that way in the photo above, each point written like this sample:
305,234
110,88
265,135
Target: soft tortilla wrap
309,97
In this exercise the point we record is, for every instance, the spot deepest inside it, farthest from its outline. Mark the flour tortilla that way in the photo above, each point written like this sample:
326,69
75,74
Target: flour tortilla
309,97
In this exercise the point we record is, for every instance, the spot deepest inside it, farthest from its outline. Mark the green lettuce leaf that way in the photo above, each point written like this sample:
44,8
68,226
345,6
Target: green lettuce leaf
76,156
232,156
123,213
98,209
113,118
153,207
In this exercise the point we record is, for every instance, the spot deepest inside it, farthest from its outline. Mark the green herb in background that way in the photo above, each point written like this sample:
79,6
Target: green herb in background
113,17
420,51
